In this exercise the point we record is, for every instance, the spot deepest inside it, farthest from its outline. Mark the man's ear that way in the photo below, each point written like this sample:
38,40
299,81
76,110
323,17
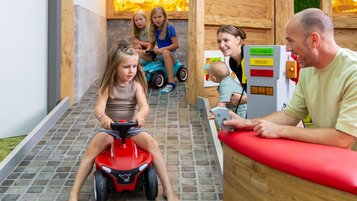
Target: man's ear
315,39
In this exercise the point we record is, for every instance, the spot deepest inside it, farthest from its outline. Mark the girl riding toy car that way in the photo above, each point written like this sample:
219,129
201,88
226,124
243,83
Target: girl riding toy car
156,74
124,167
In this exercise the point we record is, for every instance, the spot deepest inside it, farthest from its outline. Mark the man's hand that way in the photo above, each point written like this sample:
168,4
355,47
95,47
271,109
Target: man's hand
236,121
267,129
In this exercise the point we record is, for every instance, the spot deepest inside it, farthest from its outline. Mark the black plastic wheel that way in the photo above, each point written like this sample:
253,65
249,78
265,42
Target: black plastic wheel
158,80
151,185
182,74
100,186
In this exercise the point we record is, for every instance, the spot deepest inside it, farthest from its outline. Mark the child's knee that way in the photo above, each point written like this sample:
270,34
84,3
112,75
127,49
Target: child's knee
166,53
153,145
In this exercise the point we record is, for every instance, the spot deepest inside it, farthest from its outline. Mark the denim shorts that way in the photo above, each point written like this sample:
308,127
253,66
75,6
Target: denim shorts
132,132
160,58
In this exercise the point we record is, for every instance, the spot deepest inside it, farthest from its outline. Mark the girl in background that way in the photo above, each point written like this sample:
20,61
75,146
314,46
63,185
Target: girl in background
163,34
140,30
122,95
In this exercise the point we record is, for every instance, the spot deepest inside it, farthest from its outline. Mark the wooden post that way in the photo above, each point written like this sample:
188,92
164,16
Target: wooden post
284,9
67,48
326,6
195,49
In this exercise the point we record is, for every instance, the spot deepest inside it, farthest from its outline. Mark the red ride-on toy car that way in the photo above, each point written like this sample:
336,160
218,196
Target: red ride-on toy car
124,167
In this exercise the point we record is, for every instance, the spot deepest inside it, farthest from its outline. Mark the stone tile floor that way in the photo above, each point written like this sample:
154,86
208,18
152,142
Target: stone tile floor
48,171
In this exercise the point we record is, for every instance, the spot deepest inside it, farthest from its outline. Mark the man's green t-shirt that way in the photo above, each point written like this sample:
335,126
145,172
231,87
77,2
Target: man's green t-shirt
329,95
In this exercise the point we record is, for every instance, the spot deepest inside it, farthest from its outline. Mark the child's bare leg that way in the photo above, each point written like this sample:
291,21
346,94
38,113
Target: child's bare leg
97,145
146,142
169,64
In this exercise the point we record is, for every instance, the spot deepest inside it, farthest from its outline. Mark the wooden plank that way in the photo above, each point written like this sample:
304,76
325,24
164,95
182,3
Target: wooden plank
345,22
246,179
254,37
254,9
284,10
326,6
345,38
212,95
263,23
67,49
195,47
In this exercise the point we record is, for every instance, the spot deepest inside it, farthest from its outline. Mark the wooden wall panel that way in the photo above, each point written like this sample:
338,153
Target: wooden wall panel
345,26
281,18
255,9
346,38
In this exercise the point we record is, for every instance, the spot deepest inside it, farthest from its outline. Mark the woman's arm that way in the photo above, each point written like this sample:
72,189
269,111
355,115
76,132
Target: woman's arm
143,105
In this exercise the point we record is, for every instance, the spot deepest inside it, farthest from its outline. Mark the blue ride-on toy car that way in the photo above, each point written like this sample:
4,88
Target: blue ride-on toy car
156,74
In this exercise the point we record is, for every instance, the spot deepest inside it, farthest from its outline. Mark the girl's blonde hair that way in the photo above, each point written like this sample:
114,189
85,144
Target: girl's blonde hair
153,27
136,30
115,56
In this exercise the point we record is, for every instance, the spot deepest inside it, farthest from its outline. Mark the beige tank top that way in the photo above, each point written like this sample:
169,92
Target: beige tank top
124,105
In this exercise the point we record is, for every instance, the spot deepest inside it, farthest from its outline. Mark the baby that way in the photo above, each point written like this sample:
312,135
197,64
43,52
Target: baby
219,73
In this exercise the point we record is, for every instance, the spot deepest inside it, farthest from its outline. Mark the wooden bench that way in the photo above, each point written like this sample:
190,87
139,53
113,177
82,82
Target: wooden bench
260,169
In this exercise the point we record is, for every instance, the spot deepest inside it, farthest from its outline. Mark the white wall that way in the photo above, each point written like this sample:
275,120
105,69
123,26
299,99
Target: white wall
96,6
23,65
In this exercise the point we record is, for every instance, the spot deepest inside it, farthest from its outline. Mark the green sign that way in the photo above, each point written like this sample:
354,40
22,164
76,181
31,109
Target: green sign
262,51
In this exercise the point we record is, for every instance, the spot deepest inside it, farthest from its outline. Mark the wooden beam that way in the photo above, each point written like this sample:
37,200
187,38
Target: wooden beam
345,22
326,6
241,22
283,11
67,48
195,51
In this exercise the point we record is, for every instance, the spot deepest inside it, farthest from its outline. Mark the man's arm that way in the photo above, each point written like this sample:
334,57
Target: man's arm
326,136
281,125
279,117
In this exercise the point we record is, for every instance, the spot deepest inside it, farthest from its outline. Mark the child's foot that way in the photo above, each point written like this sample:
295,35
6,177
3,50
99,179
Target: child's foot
73,196
168,88
170,196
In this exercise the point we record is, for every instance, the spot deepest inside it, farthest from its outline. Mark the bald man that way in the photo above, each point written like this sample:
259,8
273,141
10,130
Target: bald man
327,87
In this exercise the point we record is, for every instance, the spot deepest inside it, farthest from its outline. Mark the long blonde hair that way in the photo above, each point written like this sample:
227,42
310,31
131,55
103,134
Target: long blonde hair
115,57
136,30
153,27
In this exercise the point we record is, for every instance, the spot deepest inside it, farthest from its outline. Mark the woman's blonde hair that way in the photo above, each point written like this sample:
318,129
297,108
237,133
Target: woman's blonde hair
153,27
136,30
115,56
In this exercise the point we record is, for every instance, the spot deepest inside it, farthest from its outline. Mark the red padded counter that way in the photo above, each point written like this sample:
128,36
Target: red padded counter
326,165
